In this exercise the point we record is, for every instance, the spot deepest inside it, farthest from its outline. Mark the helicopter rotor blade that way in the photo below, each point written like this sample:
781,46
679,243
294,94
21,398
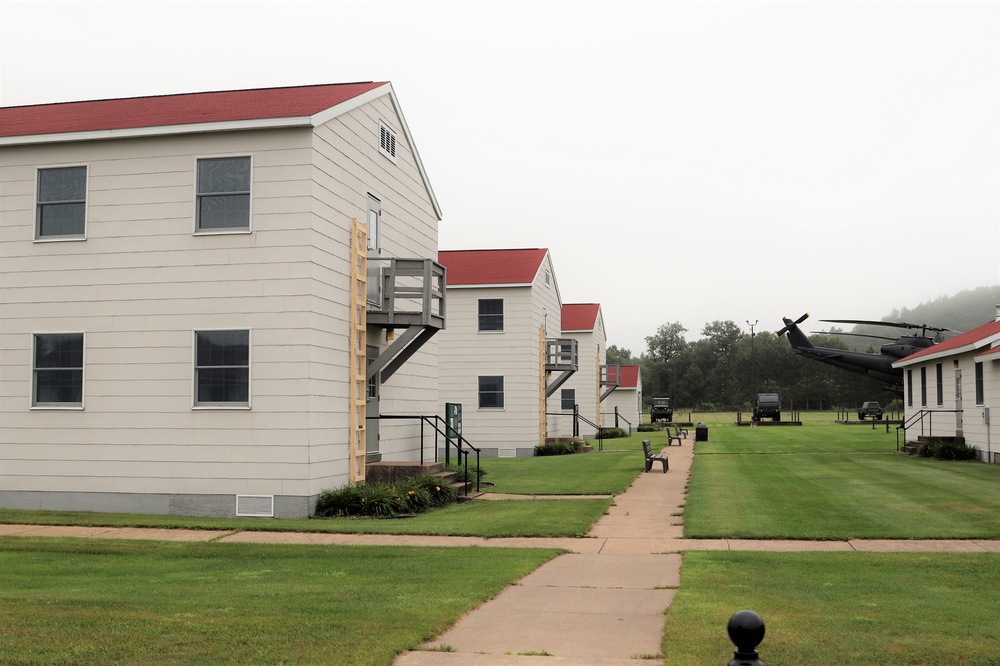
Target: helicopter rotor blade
857,335
894,324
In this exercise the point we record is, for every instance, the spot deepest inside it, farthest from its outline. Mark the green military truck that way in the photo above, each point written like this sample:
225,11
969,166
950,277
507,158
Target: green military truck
660,409
872,409
768,407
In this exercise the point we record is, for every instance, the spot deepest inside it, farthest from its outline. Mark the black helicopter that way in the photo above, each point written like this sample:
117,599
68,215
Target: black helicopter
878,366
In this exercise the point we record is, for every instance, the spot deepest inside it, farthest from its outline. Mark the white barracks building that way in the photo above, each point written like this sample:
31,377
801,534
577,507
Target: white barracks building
203,296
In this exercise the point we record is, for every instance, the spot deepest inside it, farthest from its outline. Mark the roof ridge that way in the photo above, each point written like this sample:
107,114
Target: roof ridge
188,94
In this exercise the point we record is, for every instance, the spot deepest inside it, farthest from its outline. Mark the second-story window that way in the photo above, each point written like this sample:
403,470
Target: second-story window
491,314
61,208
224,194
374,218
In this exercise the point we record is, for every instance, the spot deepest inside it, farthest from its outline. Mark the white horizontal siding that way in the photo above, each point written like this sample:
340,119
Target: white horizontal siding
142,281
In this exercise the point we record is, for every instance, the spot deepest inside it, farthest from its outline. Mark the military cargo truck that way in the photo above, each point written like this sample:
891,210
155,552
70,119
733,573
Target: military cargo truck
768,407
660,409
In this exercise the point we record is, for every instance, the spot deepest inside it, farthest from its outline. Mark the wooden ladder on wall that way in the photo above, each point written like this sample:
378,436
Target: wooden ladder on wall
359,348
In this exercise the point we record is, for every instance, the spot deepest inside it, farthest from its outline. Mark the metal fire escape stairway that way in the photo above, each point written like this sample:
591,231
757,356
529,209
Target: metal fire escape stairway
413,299
610,378
560,356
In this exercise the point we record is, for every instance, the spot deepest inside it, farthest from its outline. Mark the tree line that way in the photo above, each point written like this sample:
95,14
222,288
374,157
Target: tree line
727,368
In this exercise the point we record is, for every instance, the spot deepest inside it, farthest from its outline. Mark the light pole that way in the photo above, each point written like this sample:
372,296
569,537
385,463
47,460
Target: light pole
753,363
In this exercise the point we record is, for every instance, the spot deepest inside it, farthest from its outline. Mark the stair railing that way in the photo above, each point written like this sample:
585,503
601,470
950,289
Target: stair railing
463,446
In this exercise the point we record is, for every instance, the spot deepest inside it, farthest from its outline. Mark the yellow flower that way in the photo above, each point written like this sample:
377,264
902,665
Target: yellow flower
412,492
438,488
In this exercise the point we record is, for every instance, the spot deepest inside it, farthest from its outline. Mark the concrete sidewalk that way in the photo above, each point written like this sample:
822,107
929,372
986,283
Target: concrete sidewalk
596,606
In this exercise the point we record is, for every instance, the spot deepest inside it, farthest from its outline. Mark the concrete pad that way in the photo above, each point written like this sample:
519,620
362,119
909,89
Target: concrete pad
989,546
155,534
583,600
562,634
137,533
638,571
916,546
433,658
585,545
791,546
351,539
658,546
642,531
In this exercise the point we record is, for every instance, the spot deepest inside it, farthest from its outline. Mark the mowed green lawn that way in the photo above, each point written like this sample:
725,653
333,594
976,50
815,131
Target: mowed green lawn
600,473
831,481
824,480
76,601
862,609
607,472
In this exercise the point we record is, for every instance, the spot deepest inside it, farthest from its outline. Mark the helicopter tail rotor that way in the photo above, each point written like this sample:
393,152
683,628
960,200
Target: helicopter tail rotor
789,324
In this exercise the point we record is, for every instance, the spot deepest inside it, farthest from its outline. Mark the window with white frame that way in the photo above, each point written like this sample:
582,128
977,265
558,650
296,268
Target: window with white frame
491,392
568,399
61,206
980,391
923,386
490,315
909,387
57,372
374,218
940,384
223,194
387,141
222,368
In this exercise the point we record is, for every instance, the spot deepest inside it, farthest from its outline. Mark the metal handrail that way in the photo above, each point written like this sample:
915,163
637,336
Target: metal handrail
432,421
919,418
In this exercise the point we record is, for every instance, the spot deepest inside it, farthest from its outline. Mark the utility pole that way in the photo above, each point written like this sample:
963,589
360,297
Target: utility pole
753,363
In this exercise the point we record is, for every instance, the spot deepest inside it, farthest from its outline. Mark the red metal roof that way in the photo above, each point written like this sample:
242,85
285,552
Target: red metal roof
467,267
987,330
580,316
629,376
167,110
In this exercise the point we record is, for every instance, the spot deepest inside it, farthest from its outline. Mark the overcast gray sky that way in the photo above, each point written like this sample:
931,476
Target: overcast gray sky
683,161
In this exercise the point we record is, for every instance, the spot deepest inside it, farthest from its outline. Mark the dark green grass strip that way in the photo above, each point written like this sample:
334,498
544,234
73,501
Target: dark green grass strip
118,602
862,609
488,519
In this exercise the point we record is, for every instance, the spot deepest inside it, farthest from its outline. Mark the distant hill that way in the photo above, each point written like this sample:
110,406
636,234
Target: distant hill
961,312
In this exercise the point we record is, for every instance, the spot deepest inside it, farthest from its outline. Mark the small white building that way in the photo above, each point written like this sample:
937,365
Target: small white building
502,306
587,388
197,296
625,401
952,389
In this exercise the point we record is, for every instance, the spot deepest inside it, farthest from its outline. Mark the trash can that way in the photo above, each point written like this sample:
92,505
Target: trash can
701,432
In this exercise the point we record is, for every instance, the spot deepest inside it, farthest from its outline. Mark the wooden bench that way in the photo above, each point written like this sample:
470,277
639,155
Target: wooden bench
650,458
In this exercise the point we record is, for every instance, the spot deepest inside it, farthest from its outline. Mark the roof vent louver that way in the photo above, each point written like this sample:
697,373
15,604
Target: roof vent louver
256,506
387,142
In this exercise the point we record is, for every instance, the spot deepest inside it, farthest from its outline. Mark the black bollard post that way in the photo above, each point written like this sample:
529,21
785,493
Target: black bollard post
746,631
